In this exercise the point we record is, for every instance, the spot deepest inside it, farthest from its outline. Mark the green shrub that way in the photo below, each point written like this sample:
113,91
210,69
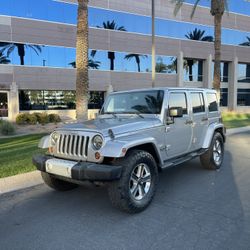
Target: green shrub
7,128
43,118
22,118
32,119
54,118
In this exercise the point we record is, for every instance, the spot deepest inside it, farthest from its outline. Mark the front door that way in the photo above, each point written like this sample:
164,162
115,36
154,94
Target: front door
178,134
3,105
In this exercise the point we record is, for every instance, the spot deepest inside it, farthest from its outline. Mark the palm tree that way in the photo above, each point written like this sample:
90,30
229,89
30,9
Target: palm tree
160,66
137,59
82,46
111,54
217,9
10,47
197,35
3,58
91,64
247,43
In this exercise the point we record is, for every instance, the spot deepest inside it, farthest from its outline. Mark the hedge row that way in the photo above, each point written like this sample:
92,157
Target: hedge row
35,118
7,128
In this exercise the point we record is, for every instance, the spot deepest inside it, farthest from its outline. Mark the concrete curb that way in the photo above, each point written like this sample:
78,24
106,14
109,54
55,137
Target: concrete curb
22,181
238,130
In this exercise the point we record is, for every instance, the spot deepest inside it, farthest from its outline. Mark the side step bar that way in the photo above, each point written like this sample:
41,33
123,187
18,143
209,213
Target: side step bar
178,160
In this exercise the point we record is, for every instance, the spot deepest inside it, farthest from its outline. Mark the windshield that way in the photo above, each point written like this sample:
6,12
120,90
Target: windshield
144,102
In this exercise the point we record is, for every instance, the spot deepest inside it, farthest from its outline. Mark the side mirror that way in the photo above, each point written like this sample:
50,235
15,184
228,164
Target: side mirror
176,112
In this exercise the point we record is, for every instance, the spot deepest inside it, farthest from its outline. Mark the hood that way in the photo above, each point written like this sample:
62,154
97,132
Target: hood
118,125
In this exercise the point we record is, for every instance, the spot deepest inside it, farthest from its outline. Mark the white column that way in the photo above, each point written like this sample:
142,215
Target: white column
207,72
180,70
13,106
232,84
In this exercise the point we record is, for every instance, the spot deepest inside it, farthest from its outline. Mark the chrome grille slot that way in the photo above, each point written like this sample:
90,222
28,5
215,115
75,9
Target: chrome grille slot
72,145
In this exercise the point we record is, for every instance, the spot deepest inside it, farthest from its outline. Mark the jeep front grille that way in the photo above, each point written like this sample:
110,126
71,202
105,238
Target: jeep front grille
73,145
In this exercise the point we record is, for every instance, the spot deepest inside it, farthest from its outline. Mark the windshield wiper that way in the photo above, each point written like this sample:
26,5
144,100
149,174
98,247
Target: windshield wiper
111,113
136,113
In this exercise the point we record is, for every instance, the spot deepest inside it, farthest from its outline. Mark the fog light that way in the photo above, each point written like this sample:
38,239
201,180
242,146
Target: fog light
51,150
97,155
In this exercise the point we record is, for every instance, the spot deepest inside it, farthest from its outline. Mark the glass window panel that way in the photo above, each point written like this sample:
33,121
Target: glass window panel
197,102
193,70
224,97
177,100
50,10
212,102
244,73
243,97
56,100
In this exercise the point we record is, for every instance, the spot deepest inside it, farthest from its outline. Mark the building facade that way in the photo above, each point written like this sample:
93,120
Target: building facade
37,53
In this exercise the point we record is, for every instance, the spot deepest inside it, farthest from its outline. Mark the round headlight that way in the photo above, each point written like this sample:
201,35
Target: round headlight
54,137
97,142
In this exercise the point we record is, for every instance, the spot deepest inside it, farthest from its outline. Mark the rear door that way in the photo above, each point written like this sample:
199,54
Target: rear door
200,119
179,134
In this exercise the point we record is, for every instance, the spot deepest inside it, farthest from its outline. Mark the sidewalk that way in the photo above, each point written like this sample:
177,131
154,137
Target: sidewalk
17,182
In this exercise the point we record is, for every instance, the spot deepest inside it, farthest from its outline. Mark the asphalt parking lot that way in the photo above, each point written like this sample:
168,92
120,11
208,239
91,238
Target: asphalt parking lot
193,209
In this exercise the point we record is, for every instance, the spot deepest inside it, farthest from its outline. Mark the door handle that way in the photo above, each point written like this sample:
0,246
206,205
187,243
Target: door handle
204,119
188,122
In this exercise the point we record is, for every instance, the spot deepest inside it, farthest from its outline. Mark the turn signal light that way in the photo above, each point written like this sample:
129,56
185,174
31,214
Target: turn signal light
50,150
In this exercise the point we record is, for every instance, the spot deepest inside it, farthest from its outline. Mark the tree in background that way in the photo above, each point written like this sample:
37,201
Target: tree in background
91,64
3,59
137,59
111,54
217,9
197,35
21,48
82,46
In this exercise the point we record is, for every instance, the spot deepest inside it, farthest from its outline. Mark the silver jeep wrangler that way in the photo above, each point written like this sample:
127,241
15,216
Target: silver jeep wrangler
136,135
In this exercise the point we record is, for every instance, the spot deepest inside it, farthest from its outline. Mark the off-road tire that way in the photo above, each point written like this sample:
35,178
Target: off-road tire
57,184
119,191
207,159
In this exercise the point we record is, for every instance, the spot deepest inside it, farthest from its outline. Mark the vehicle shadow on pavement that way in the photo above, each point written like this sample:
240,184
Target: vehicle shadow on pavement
193,209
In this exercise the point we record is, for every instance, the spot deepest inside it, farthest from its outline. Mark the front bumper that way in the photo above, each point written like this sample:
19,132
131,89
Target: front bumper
82,171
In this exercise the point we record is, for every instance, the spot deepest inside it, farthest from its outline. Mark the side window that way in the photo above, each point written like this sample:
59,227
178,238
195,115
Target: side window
212,102
197,103
178,100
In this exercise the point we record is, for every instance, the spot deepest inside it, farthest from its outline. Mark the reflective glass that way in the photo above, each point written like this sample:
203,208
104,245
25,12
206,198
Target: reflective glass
244,73
50,10
243,97
193,70
50,56
55,100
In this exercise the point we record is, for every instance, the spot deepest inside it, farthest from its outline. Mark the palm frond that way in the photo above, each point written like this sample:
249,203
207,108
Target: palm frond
194,8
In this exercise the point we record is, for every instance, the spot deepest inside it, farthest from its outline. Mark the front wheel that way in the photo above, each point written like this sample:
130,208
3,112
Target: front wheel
213,158
136,187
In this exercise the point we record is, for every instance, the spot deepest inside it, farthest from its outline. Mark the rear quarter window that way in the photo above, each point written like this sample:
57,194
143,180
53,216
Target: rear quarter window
212,102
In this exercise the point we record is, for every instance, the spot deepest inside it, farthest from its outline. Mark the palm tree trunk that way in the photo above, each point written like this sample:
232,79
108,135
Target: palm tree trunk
217,55
200,71
111,56
139,67
190,69
82,81
21,52
21,60
248,73
217,11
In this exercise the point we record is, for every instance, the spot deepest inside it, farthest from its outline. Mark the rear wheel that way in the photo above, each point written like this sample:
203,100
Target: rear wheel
213,158
57,184
136,187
